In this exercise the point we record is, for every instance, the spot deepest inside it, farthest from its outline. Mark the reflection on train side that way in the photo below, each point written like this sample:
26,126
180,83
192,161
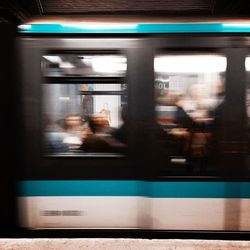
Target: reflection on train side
189,92
84,118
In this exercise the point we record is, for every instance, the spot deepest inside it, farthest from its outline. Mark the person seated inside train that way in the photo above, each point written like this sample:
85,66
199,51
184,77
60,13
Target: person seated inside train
105,112
53,137
180,117
72,131
197,138
99,141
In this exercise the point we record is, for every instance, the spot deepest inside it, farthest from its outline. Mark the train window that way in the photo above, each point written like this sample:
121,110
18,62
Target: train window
86,65
247,67
189,94
82,118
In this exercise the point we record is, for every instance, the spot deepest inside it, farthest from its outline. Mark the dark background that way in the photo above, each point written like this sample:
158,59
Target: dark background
17,11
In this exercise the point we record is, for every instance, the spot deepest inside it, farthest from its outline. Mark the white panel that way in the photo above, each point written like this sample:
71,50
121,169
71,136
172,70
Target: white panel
135,212
89,212
244,205
26,211
188,214
201,214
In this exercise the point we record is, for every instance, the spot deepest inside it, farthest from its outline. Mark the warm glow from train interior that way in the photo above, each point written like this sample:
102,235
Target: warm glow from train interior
190,64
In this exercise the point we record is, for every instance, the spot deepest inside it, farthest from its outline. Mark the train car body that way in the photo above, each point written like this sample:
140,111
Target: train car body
177,160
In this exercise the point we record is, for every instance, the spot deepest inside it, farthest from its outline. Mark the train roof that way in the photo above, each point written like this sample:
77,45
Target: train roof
135,25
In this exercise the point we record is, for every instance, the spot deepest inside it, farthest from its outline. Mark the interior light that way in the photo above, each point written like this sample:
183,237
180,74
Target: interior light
109,64
190,64
66,65
53,59
247,64
58,59
87,60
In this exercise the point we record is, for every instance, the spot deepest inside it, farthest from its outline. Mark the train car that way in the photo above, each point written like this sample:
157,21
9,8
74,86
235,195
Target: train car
136,125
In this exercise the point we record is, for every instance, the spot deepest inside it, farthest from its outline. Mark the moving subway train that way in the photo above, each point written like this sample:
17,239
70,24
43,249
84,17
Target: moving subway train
135,125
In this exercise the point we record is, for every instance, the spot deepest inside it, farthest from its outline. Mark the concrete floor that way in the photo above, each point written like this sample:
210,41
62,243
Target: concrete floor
120,244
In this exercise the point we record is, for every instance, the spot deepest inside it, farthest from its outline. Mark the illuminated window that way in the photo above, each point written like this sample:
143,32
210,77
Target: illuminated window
82,118
189,96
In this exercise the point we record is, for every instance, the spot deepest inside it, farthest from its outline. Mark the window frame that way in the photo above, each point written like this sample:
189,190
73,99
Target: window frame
35,166
79,80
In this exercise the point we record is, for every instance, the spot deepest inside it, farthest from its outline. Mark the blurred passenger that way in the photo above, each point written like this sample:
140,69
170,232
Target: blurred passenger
99,141
176,99
218,112
72,131
85,131
105,112
215,130
182,117
53,137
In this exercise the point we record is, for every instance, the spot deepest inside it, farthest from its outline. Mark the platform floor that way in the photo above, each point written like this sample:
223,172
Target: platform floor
120,244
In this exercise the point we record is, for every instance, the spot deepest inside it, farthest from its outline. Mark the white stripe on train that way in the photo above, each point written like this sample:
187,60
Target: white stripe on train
135,212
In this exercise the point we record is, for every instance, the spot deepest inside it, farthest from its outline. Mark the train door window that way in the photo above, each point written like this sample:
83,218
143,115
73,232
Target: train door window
84,111
247,67
189,96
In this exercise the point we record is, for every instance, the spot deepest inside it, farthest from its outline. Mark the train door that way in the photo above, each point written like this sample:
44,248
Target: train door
200,133
83,106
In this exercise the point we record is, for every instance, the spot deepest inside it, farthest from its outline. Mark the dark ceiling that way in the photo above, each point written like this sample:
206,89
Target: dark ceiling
21,10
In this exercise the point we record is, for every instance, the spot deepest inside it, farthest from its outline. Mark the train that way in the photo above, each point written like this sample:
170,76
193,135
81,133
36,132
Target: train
134,125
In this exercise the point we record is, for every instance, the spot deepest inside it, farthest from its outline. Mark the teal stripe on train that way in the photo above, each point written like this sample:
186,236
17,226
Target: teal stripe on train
134,188
140,28
82,188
